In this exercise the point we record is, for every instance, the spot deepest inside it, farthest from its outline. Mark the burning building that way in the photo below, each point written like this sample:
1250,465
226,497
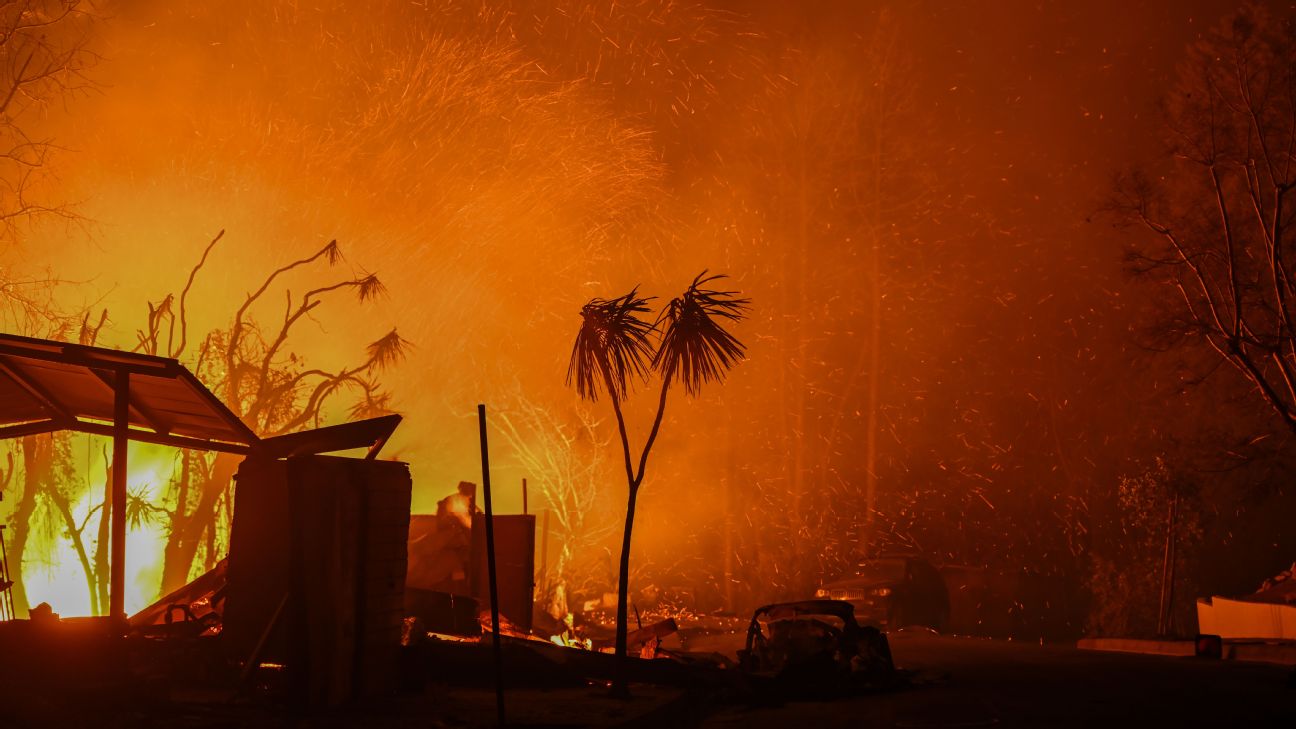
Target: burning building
316,573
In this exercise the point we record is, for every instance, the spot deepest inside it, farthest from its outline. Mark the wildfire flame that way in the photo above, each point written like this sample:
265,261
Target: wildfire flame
57,576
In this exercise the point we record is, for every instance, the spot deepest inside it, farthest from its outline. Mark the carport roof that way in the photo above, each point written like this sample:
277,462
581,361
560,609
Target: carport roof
47,385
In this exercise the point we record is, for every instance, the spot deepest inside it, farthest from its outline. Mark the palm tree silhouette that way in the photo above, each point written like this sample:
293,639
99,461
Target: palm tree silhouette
615,346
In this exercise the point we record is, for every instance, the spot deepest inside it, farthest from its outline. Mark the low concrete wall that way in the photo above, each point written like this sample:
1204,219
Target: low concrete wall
1280,652
1134,645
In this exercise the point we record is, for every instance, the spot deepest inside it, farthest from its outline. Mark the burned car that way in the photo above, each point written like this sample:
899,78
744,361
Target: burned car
894,592
815,647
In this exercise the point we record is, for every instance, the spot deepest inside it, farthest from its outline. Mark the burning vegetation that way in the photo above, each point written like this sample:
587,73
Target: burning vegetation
949,355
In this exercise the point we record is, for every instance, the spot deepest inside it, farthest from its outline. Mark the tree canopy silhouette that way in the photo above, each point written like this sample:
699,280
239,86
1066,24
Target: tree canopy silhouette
1218,203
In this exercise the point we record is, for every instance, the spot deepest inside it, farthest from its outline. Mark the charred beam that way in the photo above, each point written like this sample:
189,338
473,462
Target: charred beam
120,435
142,412
175,441
372,434
137,364
34,428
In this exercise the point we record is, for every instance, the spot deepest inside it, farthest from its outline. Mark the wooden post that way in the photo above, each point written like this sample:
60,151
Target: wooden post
490,566
117,568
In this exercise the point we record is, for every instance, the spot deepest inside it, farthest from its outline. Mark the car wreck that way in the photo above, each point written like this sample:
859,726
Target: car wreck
815,648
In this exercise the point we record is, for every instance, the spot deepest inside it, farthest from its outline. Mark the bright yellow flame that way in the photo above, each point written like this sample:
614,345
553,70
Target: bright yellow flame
60,580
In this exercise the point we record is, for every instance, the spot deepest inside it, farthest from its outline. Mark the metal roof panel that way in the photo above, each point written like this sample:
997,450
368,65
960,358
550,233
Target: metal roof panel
41,379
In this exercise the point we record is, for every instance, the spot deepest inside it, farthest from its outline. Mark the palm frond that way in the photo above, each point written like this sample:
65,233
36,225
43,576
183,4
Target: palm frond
612,346
140,509
695,349
332,252
387,350
370,288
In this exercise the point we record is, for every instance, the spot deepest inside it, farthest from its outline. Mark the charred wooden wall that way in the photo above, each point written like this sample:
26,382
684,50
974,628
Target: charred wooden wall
317,570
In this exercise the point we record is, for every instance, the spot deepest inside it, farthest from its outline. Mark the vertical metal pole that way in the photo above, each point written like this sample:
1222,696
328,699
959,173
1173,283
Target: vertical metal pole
524,497
117,568
731,469
728,547
490,565
544,553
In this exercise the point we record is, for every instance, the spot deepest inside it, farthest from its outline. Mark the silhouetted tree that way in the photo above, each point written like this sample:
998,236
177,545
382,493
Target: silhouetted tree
44,57
271,388
614,346
1128,564
1219,201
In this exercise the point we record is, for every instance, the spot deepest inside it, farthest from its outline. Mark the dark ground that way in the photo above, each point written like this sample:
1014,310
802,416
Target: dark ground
967,682
953,682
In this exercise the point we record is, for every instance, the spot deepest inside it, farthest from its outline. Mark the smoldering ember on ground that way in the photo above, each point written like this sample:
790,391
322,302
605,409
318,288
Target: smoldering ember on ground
815,342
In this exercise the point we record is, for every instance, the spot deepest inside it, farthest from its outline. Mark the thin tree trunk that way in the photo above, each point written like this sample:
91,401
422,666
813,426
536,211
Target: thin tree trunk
874,379
101,535
37,451
1174,544
74,534
621,687
799,493
182,545
875,346
1163,621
